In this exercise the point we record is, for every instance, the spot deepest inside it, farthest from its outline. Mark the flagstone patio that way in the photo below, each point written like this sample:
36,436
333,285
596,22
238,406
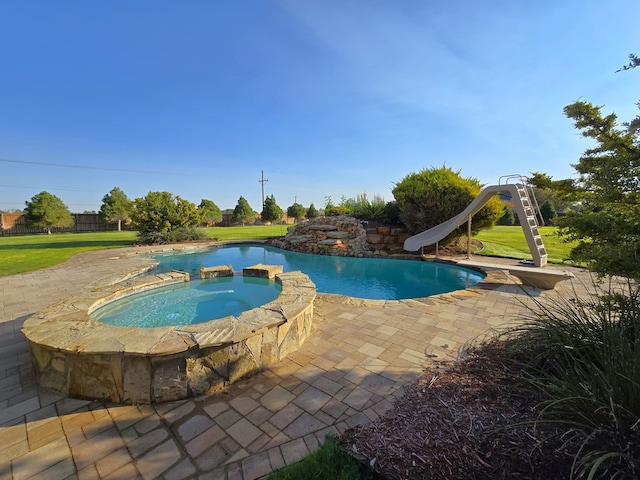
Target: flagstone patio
350,370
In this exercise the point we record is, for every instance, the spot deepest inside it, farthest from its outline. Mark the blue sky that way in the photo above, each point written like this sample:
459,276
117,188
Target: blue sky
328,98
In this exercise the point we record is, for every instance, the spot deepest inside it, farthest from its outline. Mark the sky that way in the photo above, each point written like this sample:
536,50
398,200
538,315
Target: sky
331,98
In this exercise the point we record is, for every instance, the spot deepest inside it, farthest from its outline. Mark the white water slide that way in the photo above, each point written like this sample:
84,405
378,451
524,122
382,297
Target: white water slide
524,209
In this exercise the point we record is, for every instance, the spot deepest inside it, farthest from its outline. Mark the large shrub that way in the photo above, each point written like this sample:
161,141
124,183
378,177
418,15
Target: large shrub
160,217
435,195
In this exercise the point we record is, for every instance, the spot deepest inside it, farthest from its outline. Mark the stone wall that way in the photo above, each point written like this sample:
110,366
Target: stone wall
343,236
385,240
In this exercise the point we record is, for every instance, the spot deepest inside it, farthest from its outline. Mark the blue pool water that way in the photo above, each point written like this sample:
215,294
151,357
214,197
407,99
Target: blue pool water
190,302
372,278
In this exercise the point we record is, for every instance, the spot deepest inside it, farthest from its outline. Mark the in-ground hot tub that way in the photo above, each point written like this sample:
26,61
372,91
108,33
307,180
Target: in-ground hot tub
79,356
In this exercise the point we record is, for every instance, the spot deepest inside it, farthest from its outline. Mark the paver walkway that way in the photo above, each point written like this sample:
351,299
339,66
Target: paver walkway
349,371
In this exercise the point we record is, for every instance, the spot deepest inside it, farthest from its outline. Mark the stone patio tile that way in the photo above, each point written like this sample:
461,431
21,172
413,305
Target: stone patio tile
275,458
45,433
147,424
215,409
243,404
259,415
227,418
157,461
113,461
97,426
276,398
86,453
311,400
256,466
179,411
285,416
124,472
183,470
371,350
147,442
63,469
327,386
90,473
205,440
194,426
358,398
303,425
244,432
309,373
258,444
294,450
40,460
212,459
18,410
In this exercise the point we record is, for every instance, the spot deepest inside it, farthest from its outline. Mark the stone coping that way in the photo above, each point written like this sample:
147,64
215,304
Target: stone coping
79,356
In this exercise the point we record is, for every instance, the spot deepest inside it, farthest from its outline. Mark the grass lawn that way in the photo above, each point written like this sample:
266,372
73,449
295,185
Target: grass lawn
25,253
502,241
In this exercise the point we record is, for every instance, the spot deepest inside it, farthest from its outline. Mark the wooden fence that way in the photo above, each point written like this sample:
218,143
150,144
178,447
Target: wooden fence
15,224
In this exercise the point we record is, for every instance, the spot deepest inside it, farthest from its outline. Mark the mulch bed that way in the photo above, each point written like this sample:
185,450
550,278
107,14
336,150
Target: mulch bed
465,420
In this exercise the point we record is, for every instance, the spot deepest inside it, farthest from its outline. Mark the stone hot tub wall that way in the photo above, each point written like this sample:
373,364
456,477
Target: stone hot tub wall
78,356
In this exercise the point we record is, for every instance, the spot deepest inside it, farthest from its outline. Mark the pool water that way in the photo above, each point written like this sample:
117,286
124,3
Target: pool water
370,278
191,302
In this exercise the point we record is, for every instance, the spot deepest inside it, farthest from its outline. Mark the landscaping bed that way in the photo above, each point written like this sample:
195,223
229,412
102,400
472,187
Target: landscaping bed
463,420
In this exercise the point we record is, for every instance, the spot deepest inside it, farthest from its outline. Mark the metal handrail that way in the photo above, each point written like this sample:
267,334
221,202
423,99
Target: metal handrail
528,191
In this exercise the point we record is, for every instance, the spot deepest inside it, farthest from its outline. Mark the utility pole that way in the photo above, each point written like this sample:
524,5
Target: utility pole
262,181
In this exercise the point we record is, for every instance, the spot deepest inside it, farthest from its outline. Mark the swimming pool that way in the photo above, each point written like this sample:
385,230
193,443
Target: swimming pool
370,278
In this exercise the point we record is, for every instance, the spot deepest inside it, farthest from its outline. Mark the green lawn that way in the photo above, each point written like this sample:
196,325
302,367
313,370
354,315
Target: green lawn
503,241
25,253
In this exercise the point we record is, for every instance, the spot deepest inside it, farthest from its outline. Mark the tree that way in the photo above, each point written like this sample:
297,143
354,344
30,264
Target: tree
435,195
116,207
296,211
243,213
209,212
507,218
608,226
162,212
271,211
47,211
312,212
548,212
558,192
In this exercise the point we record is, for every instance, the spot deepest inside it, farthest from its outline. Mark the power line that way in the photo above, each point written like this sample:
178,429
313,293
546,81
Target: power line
109,169
64,189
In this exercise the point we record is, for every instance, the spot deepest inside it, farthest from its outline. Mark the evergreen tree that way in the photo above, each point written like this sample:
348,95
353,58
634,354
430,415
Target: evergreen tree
312,212
116,207
47,211
243,213
607,227
548,212
271,211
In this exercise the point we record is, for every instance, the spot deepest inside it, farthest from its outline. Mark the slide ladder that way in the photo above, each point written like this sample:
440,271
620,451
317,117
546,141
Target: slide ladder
525,205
